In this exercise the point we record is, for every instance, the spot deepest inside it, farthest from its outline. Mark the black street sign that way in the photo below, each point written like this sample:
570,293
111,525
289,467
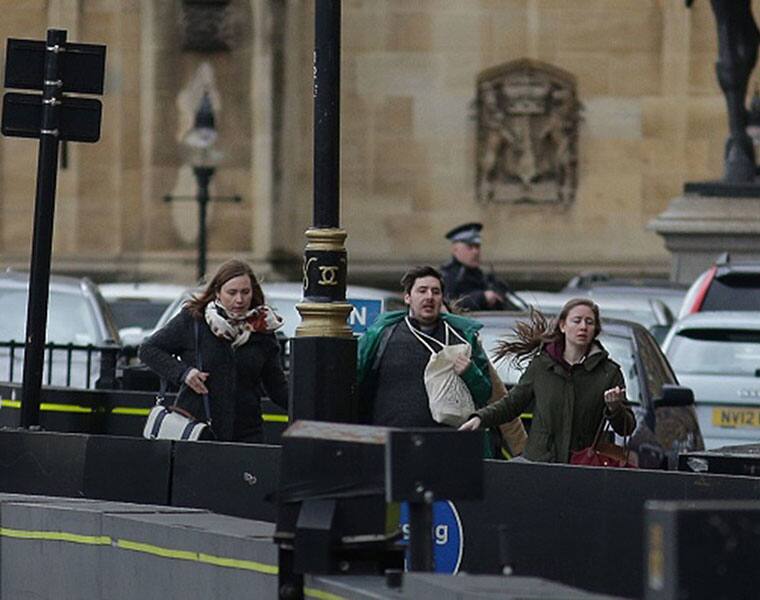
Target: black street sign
79,117
81,66
54,67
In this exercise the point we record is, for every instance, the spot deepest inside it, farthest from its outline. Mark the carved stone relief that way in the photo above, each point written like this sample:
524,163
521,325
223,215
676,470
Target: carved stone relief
208,25
527,115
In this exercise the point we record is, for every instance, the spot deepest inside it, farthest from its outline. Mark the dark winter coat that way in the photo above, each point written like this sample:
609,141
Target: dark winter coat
235,374
569,404
467,286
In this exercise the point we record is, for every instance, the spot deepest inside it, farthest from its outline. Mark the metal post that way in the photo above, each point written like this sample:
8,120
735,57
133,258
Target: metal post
42,242
327,114
421,536
323,353
203,176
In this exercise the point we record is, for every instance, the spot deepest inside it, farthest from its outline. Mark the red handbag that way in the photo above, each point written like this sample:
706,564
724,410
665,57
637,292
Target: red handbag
603,453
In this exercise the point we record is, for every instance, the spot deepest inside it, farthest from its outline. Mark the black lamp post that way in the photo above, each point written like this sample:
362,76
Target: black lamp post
200,142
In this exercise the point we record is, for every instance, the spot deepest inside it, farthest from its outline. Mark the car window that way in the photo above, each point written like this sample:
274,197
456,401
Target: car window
620,349
69,318
645,316
137,312
716,352
735,291
656,370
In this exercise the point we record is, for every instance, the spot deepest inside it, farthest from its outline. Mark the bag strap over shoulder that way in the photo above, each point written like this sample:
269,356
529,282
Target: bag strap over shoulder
422,336
199,360
199,366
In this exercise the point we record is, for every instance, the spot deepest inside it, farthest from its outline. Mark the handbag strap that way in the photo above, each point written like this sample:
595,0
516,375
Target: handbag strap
199,366
602,428
199,360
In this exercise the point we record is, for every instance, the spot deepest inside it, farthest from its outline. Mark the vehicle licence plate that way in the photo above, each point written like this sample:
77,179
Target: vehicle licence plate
736,417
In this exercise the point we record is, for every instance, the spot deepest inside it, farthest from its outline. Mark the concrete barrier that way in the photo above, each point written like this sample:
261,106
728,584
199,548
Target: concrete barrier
574,525
61,549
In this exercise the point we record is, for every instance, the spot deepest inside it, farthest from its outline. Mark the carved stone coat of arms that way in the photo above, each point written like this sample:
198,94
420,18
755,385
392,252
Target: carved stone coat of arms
527,114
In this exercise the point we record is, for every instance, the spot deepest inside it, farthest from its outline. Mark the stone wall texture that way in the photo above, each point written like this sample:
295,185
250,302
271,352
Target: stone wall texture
653,117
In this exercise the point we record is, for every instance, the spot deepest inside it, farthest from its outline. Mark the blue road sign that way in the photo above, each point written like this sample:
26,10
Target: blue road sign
364,314
448,536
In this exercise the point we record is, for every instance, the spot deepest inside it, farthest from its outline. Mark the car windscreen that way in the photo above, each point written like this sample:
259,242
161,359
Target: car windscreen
716,352
137,312
734,291
70,319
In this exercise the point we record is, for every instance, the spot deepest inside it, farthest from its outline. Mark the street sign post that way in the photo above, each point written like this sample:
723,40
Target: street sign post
54,67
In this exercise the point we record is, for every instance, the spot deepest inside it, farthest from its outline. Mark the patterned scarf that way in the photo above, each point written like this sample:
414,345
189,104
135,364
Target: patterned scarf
237,330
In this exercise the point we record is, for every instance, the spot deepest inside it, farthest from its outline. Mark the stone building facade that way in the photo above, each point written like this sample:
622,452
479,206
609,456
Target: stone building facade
651,116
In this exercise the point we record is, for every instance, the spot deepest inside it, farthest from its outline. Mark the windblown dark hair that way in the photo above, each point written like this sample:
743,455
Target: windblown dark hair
415,273
228,270
529,336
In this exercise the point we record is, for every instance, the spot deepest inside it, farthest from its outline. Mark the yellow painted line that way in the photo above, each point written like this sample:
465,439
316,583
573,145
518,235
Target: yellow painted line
70,408
104,540
312,593
237,563
219,561
134,412
157,550
118,410
51,407
526,416
56,536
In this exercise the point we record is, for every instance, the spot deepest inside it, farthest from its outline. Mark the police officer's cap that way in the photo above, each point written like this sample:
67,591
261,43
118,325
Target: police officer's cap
469,233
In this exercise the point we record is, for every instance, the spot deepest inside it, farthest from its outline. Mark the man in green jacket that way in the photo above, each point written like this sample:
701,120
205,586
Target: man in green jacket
392,359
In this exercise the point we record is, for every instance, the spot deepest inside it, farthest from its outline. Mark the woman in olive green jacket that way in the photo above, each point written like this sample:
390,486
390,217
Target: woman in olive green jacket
571,379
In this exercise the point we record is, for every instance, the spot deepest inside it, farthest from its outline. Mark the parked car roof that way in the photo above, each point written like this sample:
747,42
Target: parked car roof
283,297
728,285
137,307
596,284
85,319
650,312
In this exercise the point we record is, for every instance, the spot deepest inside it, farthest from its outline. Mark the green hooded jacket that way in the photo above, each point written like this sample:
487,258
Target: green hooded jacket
568,404
476,377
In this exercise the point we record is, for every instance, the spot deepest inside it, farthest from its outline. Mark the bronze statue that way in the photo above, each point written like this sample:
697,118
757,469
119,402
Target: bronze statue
738,39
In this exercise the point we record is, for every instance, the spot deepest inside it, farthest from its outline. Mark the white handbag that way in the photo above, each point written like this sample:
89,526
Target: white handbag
172,423
449,398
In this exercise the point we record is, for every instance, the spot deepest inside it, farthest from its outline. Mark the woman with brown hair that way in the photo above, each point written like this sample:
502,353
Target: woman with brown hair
229,329
570,378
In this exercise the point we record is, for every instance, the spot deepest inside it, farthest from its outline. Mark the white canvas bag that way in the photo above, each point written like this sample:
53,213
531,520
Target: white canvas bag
449,398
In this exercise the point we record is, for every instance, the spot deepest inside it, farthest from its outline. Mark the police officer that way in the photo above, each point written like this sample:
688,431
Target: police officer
464,281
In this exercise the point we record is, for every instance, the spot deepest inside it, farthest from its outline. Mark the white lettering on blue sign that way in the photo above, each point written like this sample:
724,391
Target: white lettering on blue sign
363,314
358,317
448,537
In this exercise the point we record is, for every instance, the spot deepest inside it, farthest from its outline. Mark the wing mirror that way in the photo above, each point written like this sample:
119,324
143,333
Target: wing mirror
674,395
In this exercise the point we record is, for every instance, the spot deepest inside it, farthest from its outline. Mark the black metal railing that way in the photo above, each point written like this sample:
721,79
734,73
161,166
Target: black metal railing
67,365
89,366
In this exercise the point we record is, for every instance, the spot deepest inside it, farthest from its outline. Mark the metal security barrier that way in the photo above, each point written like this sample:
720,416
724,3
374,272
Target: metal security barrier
108,411
66,365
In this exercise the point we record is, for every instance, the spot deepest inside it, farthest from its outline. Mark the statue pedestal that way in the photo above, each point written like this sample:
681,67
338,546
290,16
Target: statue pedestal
705,222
